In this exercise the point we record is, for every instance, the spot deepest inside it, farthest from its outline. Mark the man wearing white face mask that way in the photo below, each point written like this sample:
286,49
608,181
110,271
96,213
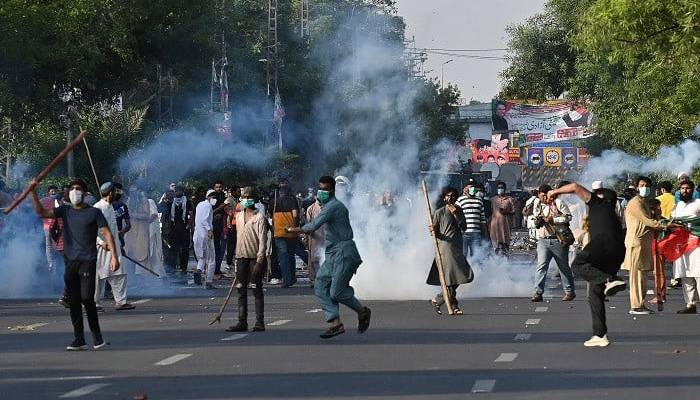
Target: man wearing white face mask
638,241
81,224
204,239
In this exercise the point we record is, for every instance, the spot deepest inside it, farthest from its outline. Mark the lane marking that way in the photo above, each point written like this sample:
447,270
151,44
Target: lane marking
650,291
280,322
53,379
173,359
541,309
234,337
532,321
31,327
522,337
79,392
315,310
484,386
506,357
141,301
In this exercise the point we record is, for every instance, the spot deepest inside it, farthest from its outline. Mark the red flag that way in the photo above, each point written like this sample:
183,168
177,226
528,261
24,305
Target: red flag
677,243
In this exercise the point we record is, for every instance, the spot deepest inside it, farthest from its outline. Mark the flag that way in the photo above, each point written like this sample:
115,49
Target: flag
674,244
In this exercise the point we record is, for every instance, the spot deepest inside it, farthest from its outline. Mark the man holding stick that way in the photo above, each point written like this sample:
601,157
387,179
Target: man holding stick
448,225
81,225
332,284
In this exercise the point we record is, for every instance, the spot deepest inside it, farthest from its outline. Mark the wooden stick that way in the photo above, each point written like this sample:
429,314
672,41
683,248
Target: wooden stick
217,317
94,173
438,256
42,175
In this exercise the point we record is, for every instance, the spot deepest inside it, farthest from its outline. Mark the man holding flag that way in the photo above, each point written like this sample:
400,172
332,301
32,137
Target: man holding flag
687,266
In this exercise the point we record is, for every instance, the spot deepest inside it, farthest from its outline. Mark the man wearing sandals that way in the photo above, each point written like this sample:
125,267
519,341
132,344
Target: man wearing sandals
448,225
332,284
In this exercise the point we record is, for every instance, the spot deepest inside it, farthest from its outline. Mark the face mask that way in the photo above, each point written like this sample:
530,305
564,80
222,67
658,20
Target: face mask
480,195
323,196
644,191
247,203
212,202
472,191
75,196
500,192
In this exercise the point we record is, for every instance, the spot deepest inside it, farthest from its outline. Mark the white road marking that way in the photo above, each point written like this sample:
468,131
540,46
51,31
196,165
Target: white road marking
141,301
234,337
53,379
31,327
532,321
541,309
315,310
280,322
173,359
650,291
484,386
506,357
522,337
79,392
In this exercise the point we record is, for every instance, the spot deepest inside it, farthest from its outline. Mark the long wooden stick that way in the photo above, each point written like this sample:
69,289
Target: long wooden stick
92,165
42,175
217,317
438,255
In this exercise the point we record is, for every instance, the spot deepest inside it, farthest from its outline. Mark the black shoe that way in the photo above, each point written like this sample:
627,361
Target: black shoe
125,306
333,331
259,327
76,345
536,298
64,302
239,327
688,310
198,278
99,309
99,343
363,318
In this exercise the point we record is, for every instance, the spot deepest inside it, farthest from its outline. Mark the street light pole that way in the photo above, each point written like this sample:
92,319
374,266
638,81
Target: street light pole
442,79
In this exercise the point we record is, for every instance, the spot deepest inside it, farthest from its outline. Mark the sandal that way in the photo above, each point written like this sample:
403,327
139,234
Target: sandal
436,306
457,311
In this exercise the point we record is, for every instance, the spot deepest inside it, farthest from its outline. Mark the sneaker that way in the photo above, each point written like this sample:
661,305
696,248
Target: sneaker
99,309
239,327
614,287
640,311
333,331
259,326
363,318
275,281
536,298
675,283
597,341
569,297
125,306
64,302
99,344
76,345
198,278
688,310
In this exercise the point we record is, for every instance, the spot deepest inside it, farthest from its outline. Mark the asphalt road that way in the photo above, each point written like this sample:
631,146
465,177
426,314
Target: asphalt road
499,349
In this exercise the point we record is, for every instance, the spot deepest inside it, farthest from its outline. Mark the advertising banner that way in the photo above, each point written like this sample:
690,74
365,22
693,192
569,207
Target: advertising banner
552,156
569,156
535,157
543,122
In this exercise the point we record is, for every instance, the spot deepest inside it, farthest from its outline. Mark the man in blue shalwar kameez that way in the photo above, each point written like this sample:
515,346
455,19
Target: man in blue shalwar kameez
332,284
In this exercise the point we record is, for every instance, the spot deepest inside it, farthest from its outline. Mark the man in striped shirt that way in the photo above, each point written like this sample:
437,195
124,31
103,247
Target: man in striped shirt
473,209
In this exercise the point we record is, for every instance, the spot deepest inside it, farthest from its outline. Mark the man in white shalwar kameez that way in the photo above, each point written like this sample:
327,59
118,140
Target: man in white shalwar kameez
687,268
116,279
144,243
204,240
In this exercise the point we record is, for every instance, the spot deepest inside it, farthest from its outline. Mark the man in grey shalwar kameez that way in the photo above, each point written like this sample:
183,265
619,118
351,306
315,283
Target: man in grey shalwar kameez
332,284
448,224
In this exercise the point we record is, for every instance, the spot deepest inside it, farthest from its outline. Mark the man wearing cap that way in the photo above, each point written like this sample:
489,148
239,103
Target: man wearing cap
547,214
116,279
251,250
204,239
473,210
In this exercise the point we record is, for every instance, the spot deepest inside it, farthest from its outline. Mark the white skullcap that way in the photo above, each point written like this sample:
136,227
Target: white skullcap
210,191
681,174
597,185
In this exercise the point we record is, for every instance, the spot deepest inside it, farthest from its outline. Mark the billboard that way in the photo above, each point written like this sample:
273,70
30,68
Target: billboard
535,157
556,122
552,156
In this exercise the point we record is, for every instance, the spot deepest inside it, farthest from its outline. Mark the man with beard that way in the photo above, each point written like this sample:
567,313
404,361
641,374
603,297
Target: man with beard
332,284
81,226
600,260
687,267
448,224
502,207
176,218
641,228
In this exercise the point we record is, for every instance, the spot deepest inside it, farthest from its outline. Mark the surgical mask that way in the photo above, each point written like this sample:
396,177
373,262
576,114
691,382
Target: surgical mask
472,191
500,191
247,203
75,196
212,202
644,191
323,196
